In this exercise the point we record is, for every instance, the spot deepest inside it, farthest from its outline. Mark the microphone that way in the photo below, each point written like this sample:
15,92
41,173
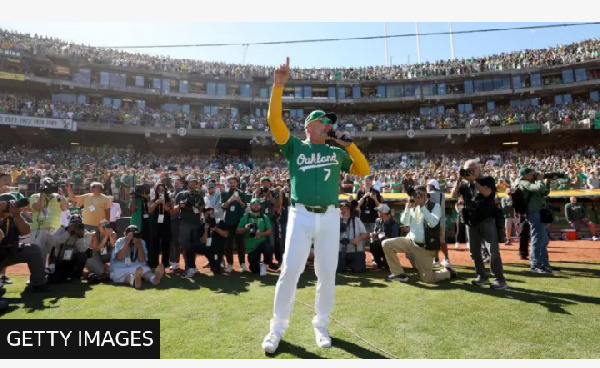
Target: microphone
332,134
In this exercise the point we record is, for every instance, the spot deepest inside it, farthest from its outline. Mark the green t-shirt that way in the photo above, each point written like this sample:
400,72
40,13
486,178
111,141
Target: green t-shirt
442,185
396,183
315,171
77,177
262,223
234,213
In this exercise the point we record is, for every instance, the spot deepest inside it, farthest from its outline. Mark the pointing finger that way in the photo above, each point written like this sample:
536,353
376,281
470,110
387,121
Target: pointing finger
287,62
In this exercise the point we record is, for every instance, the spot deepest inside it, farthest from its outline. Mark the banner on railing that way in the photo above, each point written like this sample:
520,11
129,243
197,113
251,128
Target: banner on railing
529,127
28,121
12,76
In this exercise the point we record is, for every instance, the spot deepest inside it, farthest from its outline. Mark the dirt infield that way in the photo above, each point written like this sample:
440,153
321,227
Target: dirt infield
559,251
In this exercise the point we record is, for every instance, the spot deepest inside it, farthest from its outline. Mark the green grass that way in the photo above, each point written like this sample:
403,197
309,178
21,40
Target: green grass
227,316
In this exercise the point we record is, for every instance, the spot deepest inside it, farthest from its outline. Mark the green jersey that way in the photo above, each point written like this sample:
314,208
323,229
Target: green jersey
262,224
315,171
77,177
398,184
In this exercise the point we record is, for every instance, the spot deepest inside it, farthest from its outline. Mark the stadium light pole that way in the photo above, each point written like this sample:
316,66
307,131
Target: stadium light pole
452,41
387,56
418,43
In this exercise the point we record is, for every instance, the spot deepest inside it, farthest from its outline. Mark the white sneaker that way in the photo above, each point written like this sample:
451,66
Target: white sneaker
263,269
229,269
446,263
374,264
222,264
322,337
243,268
190,273
271,342
594,238
436,264
174,266
456,245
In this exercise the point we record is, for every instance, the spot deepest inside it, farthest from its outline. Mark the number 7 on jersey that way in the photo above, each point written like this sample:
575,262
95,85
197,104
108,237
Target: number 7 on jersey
328,171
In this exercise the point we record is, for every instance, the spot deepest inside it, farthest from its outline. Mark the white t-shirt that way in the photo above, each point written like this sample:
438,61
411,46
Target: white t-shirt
115,212
65,217
377,185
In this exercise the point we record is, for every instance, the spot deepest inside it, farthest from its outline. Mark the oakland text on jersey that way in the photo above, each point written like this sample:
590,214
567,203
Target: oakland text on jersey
316,161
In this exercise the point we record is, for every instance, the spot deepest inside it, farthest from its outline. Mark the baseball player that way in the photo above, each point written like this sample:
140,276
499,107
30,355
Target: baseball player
314,215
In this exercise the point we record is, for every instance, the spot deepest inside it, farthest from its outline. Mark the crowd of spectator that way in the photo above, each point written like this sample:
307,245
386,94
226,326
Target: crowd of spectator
451,118
562,54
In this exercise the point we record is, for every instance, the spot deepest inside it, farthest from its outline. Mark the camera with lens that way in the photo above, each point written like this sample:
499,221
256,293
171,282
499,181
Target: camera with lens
137,235
48,186
264,190
557,175
17,203
464,173
253,229
344,241
211,222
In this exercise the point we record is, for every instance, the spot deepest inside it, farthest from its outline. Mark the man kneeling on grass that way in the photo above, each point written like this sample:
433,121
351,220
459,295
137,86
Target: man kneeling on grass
422,242
128,261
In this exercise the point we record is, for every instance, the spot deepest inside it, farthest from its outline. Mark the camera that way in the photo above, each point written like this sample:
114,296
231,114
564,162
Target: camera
464,173
211,222
137,235
13,203
253,229
558,175
50,188
344,241
411,192
264,190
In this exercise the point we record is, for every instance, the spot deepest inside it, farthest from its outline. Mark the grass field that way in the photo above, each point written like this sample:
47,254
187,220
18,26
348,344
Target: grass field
227,316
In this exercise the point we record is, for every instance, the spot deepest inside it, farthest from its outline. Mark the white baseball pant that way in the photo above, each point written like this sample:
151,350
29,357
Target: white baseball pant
304,228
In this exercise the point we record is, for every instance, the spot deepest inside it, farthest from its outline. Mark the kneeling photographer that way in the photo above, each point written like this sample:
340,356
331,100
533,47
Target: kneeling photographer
479,214
48,207
529,199
102,245
256,229
12,226
69,252
352,241
422,242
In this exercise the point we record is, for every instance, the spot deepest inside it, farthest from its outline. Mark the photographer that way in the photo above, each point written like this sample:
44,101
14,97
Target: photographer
175,251
233,203
368,200
139,206
347,185
352,241
68,252
217,233
575,214
128,261
479,215
102,245
160,211
437,196
189,205
256,229
96,206
47,207
213,198
385,228
271,201
510,220
422,242
12,226
534,190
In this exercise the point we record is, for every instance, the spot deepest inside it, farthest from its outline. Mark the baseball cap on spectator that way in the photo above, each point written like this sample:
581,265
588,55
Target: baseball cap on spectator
265,178
369,177
75,219
212,184
383,208
320,114
255,200
524,171
191,178
434,183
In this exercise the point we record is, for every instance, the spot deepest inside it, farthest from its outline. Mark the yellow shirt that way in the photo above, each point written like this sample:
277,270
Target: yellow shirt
15,175
94,208
49,215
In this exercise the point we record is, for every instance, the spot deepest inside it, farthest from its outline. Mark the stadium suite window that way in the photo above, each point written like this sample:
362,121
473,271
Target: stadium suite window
263,93
464,108
517,84
184,86
307,92
568,76
478,85
410,90
381,91
356,93
341,92
580,75
298,92
491,105
441,109
595,95
535,79
139,81
535,101
469,86
156,83
211,89
116,103
245,90
166,85
441,88
222,89
107,101
429,89
104,78
331,92
118,80
141,104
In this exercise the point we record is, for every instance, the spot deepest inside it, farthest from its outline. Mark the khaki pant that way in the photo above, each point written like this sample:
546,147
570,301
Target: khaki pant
421,257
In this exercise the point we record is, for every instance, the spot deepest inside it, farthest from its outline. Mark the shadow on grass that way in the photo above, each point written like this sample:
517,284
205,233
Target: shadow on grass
357,351
34,301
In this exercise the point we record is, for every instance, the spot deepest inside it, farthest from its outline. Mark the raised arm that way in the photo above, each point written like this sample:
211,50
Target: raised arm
281,133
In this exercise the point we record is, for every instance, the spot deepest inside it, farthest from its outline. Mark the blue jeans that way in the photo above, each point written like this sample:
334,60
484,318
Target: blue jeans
539,241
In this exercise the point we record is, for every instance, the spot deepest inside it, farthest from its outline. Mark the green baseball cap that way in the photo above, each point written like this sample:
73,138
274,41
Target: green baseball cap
255,200
524,171
319,114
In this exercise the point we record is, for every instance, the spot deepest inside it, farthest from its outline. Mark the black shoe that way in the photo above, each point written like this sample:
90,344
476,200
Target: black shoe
480,281
499,285
3,306
401,278
525,258
452,272
541,271
93,279
551,269
5,280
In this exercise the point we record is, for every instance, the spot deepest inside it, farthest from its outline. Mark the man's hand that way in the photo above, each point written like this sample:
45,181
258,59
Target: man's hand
420,201
355,241
282,74
1,235
469,178
339,140
14,211
510,191
410,204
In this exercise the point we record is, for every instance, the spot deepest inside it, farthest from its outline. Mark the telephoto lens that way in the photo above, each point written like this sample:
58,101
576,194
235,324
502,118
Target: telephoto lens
253,229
